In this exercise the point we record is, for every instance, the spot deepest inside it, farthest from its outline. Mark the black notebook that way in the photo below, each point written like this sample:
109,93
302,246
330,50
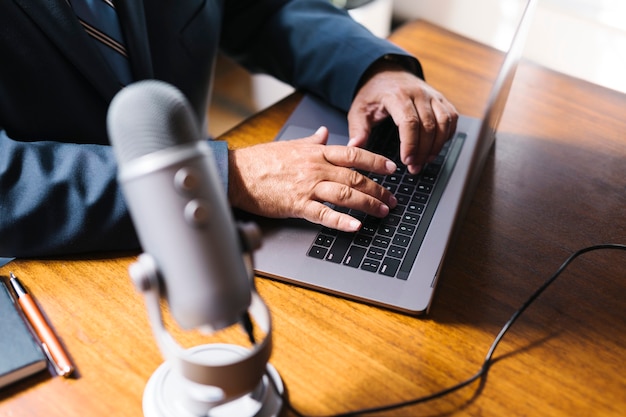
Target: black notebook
20,354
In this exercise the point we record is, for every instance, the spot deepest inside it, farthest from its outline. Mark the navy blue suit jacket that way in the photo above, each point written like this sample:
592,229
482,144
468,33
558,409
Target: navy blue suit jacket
58,186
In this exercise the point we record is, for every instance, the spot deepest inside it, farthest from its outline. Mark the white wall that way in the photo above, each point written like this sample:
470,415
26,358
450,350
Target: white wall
582,38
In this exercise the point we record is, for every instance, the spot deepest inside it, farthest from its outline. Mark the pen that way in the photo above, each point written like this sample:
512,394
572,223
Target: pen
50,343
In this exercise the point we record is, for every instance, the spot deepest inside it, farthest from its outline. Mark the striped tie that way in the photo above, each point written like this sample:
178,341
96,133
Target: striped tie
99,19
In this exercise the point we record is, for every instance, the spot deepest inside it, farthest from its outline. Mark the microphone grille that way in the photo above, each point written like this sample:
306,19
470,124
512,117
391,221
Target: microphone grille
148,116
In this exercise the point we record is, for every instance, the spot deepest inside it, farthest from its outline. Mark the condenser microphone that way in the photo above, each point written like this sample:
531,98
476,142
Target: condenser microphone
171,185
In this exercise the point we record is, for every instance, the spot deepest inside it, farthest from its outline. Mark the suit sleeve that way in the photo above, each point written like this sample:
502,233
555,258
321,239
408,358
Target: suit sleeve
61,198
309,44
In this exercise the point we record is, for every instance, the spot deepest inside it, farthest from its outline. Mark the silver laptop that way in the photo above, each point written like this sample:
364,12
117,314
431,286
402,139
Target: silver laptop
392,262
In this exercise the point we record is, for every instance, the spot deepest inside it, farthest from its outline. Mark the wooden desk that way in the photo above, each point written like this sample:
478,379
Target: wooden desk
554,183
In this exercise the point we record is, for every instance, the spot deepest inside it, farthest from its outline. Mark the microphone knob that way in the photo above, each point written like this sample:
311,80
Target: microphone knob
186,180
197,213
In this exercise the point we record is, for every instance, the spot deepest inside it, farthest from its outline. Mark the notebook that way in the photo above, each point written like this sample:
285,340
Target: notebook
20,354
394,263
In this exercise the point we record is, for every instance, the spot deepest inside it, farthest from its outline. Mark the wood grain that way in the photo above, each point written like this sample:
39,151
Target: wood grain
554,183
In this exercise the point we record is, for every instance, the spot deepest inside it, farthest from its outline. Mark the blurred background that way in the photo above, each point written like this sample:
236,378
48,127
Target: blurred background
582,38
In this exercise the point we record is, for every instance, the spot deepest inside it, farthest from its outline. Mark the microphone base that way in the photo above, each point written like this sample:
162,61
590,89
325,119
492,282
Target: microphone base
167,393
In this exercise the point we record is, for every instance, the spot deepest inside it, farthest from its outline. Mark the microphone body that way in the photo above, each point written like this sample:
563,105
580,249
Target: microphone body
177,204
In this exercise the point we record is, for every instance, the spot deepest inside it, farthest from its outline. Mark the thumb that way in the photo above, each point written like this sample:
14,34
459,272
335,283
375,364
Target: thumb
359,131
319,137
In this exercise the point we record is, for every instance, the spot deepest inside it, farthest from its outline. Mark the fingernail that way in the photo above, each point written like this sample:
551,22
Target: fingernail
320,130
355,225
415,169
391,166
393,201
351,142
408,161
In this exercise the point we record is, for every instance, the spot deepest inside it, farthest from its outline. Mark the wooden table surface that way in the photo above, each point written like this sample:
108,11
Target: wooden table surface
554,183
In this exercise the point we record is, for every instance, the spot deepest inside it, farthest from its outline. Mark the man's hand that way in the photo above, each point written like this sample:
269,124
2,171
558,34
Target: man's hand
294,179
425,119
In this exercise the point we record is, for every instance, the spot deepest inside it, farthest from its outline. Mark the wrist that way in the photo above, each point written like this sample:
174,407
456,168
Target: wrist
391,62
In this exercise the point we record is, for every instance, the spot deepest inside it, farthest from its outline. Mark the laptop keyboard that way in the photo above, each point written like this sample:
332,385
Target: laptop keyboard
389,246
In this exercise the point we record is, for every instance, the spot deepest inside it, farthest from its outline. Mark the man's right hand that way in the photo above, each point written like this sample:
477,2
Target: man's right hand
294,179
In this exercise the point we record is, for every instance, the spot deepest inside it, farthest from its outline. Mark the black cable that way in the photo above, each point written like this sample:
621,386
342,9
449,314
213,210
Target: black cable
488,361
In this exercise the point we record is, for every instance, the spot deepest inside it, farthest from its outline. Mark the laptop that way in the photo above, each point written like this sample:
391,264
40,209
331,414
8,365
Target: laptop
393,262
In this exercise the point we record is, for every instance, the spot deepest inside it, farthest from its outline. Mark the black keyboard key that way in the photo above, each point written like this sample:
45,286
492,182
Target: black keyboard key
422,187
324,240
317,252
386,230
355,256
368,228
396,251
410,180
339,248
411,218
420,198
390,266
375,253
415,208
406,189
393,179
391,220
381,241
430,179
401,240
406,229
403,199
362,240
370,265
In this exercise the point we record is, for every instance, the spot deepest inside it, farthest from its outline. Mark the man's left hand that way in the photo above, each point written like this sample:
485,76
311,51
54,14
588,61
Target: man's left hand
425,118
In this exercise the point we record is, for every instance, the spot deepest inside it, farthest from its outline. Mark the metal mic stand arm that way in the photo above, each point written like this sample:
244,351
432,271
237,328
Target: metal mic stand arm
233,378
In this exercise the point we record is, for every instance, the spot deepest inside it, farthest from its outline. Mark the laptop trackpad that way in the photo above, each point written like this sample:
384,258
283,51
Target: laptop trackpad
291,132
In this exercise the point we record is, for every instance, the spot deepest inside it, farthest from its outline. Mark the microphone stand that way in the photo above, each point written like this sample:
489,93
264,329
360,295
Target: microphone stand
212,380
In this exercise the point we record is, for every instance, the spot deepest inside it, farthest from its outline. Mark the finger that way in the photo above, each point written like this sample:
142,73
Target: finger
319,213
351,157
353,190
428,127
447,118
454,114
407,118
359,128
444,125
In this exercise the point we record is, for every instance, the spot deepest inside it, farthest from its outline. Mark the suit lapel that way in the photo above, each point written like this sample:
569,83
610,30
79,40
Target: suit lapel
57,20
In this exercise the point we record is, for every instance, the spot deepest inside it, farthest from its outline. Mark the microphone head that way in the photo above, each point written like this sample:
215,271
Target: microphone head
154,111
